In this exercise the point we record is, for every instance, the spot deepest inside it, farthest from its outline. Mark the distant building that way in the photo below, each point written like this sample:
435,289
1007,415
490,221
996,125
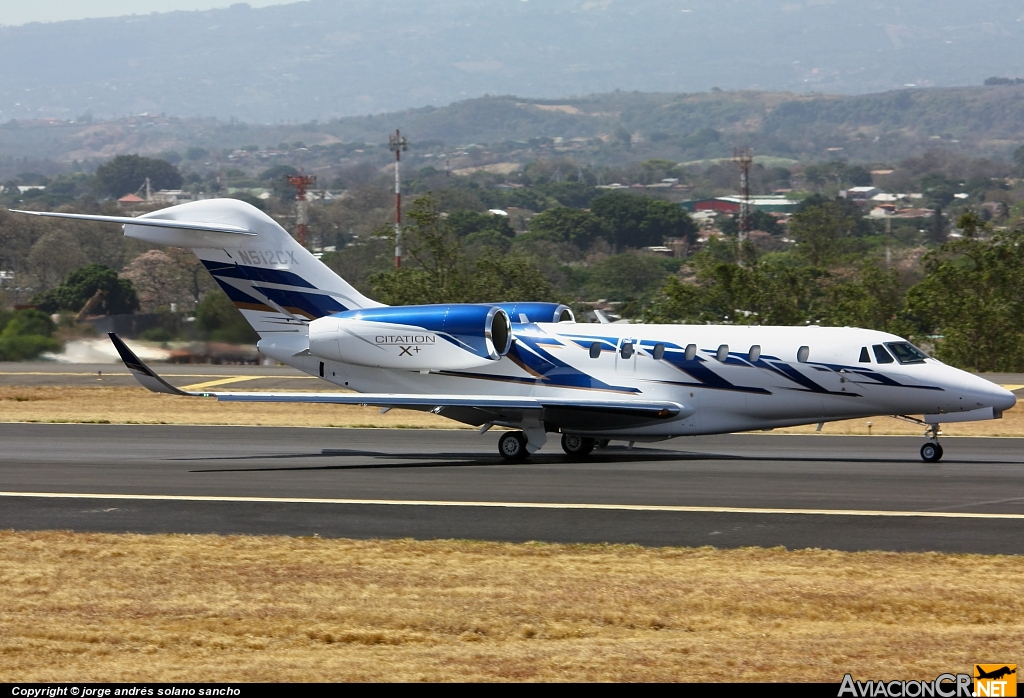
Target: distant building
130,200
171,196
859,193
731,204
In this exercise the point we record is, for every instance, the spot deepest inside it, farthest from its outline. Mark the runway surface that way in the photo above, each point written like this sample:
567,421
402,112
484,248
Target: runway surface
848,493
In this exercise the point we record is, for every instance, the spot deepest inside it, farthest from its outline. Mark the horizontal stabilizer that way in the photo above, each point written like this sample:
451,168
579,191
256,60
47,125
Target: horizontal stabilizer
151,222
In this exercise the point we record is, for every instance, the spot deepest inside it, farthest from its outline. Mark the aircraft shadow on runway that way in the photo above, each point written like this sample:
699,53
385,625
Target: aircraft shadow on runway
463,460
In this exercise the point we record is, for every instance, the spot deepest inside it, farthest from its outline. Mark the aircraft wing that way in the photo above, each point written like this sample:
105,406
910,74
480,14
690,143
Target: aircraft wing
595,412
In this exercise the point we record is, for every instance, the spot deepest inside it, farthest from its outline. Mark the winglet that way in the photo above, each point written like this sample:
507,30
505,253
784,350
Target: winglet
143,373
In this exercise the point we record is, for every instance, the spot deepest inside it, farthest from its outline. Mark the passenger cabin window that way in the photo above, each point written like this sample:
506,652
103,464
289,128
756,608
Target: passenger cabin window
865,358
881,355
595,350
906,353
659,351
627,350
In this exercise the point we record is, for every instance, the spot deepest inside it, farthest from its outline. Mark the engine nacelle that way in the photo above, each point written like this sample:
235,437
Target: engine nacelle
537,312
414,337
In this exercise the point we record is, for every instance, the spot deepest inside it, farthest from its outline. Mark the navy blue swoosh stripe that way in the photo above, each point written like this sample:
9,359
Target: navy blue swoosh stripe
316,305
552,371
257,274
707,378
237,296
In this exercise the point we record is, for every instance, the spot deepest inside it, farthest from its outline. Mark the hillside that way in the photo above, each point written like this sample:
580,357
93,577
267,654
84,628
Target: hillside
613,128
327,58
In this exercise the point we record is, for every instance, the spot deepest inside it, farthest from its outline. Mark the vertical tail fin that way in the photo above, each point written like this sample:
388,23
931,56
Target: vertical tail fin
277,284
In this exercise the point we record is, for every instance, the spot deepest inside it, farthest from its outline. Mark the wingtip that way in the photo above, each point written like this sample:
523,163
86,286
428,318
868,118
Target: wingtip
131,361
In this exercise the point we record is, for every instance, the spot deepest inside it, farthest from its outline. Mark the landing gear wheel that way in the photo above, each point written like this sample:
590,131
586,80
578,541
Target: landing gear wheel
931,452
577,446
512,445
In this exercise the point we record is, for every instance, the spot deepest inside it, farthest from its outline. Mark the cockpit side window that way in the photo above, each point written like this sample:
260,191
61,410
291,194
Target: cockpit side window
864,357
906,353
881,355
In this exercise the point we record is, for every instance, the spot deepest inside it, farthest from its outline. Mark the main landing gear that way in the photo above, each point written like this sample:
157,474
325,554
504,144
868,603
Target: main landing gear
931,452
577,446
512,445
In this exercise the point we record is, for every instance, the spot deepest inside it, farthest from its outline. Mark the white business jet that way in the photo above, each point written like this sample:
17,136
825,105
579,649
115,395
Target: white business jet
532,368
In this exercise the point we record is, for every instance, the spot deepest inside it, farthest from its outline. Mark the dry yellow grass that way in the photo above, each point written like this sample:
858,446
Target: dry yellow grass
137,405
91,607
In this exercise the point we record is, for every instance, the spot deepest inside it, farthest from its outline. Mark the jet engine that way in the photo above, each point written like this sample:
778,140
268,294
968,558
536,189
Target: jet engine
537,312
414,337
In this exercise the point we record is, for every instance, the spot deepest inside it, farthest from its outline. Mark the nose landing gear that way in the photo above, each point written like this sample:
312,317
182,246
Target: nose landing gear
931,452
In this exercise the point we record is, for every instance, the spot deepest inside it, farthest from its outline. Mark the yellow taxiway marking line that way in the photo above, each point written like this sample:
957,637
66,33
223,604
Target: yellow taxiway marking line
219,381
1011,388
516,505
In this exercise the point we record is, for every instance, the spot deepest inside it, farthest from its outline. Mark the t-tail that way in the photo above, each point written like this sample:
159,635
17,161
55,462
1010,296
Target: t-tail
277,284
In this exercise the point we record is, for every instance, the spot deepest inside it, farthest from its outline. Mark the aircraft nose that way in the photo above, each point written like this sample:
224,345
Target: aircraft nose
985,393
1002,399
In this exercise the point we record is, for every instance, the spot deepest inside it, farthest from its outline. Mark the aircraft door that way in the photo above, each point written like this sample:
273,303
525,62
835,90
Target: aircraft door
625,357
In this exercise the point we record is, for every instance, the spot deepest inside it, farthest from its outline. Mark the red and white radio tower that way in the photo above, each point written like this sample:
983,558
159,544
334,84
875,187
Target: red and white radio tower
301,183
398,143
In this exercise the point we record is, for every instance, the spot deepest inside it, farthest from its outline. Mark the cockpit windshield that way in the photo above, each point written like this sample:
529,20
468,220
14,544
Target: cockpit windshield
906,353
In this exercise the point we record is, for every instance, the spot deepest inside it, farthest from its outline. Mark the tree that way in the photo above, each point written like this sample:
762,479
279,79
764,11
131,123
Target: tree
971,223
1018,159
772,290
160,281
637,221
626,276
219,320
436,270
126,173
468,223
117,295
971,303
872,301
820,231
937,227
56,254
25,334
759,219
573,225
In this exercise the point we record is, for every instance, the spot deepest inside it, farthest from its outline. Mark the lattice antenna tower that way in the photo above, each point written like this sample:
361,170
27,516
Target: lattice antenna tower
301,182
744,157
397,143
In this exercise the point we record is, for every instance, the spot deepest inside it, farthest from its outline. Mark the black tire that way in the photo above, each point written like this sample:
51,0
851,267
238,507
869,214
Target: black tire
577,446
512,445
931,452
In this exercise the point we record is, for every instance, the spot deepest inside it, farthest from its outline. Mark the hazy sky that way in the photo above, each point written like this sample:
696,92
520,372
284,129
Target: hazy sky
14,12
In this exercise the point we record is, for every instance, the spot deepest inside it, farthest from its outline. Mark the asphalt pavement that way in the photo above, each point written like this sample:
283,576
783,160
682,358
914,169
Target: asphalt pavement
847,493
